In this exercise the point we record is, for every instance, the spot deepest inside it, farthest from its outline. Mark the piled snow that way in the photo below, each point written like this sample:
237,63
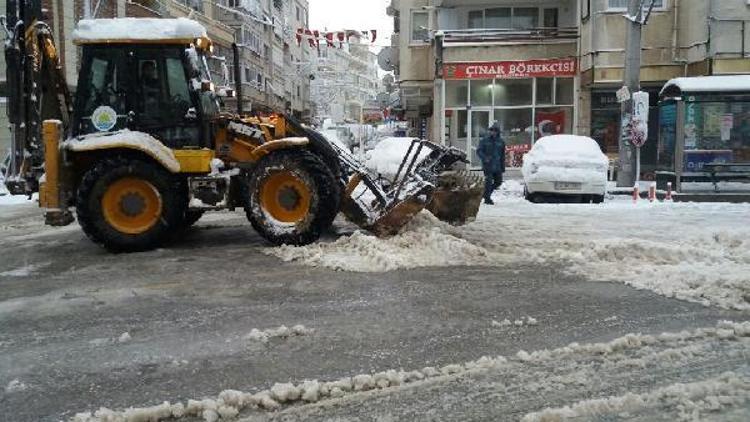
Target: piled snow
424,243
695,252
16,199
15,386
565,158
124,338
388,154
137,29
684,345
726,390
278,332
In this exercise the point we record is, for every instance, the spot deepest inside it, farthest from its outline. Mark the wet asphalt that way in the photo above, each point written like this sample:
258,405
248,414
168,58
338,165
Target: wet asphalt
65,302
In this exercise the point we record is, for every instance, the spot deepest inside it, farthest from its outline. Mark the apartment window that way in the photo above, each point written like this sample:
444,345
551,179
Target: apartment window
232,3
247,74
296,7
507,17
623,4
419,23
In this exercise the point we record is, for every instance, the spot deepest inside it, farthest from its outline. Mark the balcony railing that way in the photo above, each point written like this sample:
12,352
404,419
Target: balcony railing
509,35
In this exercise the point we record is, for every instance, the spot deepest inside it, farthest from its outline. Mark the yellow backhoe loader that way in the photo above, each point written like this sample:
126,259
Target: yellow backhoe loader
143,149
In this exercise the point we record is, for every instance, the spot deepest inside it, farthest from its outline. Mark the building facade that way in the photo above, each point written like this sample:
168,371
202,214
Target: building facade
345,80
541,67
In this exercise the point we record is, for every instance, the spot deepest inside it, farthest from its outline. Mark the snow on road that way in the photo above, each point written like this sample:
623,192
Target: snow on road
691,251
695,373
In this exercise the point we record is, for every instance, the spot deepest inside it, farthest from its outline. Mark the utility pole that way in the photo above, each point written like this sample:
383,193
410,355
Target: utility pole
632,80
87,9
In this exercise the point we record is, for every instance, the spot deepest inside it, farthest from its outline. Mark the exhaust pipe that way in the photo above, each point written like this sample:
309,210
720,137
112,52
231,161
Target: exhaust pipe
237,77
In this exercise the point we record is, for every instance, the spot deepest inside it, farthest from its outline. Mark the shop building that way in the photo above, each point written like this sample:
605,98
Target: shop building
461,65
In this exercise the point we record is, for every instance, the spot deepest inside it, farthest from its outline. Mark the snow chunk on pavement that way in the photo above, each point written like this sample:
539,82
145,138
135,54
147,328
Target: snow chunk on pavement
124,338
24,271
15,386
278,332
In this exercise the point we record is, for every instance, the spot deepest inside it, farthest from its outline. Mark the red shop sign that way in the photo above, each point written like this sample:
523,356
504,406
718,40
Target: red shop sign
510,69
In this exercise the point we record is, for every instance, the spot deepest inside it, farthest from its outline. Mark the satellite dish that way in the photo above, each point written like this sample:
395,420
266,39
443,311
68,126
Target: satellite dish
385,59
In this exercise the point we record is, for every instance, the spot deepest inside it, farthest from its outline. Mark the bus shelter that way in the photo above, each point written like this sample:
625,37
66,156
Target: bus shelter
704,134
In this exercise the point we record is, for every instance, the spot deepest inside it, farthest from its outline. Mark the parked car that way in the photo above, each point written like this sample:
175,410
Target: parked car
565,168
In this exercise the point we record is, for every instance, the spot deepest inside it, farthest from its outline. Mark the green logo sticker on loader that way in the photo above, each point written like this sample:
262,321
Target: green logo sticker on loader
104,118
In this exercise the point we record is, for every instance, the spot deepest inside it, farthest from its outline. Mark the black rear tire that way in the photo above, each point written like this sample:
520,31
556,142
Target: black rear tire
324,197
90,212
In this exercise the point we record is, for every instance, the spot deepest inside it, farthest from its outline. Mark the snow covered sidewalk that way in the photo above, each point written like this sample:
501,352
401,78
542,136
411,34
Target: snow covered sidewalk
685,375
690,251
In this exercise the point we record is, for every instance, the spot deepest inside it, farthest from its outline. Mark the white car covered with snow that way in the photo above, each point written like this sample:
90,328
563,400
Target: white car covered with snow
565,167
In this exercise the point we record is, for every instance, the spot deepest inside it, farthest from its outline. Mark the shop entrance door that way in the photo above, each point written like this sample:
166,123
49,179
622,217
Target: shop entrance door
480,121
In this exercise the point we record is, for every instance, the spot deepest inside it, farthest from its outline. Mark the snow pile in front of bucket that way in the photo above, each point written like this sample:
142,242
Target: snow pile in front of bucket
424,242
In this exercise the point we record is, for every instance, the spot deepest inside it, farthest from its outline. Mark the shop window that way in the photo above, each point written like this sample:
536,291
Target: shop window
515,125
525,17
545,88
481,93
456,93
553,121
499,17
716,132
476,19
419,23
513,92
550,18
564,92
508,17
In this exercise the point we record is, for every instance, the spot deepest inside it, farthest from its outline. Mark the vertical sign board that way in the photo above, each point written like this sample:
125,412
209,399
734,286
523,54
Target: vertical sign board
640,118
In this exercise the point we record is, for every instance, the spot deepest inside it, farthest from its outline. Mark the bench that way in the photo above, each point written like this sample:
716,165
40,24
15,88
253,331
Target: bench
712,173
727,172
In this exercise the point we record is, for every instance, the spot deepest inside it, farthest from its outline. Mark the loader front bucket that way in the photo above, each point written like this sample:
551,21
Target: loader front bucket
457,197
396,217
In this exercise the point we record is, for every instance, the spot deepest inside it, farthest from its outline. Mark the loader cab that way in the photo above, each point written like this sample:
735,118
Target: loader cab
164,90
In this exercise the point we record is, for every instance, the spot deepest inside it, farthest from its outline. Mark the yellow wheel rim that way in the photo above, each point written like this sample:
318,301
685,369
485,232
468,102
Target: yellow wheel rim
131,205
285,197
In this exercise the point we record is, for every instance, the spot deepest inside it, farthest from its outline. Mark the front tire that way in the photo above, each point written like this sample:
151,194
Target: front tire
128,205
291,197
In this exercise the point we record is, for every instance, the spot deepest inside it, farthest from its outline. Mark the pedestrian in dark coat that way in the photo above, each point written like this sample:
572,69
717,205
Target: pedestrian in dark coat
491,151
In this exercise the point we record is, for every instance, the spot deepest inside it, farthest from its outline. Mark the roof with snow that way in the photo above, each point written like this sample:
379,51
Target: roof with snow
734,83
93,31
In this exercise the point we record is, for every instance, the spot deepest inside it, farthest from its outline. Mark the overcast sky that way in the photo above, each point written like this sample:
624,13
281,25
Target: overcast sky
335,15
